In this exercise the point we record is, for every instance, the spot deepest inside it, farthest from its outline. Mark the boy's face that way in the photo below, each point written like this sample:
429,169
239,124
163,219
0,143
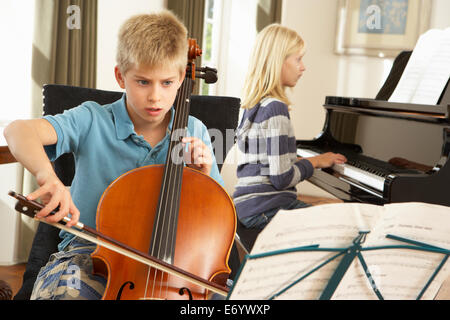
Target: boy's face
150,93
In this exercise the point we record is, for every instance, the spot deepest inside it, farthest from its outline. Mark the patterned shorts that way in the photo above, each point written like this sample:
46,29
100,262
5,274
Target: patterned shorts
68,275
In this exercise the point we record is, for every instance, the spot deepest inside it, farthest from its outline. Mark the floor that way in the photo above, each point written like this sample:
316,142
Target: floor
13,276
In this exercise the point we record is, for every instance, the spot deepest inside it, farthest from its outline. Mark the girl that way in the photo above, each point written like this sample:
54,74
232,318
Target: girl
268,168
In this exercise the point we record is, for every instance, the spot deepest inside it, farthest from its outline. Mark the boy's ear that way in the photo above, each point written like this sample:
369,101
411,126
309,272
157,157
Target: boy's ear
119,77
182,76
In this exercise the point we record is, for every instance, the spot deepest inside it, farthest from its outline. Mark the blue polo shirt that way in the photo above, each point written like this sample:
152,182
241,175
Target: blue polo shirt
105,145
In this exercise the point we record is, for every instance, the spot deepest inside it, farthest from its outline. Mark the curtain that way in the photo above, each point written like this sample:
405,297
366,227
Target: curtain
64,46
268,12
192,14
64,52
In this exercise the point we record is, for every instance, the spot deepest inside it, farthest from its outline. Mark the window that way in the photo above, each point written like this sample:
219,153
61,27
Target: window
210,44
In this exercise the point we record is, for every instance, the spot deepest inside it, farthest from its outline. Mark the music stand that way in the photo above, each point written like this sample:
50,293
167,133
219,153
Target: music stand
338,261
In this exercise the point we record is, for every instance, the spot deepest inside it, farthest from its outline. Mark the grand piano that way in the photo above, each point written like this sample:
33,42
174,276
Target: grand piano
396,152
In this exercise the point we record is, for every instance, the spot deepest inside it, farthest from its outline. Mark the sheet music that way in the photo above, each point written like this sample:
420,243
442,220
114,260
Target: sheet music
398,273
389,267
263,278
337,226
427,71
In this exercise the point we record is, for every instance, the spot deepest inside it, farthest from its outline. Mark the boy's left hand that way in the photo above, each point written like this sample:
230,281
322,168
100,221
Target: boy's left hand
198,155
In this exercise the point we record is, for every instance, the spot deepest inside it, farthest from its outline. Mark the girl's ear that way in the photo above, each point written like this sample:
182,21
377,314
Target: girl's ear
119,77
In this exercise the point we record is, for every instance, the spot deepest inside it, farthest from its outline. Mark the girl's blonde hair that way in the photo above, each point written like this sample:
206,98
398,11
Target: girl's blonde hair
273,45
153,40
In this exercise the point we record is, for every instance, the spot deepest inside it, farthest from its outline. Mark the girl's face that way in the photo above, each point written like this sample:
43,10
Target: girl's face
292,69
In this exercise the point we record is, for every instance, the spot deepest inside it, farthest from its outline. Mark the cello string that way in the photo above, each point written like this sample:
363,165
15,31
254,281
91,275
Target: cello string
165,209
146,283
178,171
175,180
159,223
161,209
155,251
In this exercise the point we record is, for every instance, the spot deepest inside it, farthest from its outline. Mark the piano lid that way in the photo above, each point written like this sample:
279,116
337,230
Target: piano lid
386,138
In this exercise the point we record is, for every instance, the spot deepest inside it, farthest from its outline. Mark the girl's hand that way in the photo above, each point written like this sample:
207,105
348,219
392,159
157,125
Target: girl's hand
326,160
53,193
198,155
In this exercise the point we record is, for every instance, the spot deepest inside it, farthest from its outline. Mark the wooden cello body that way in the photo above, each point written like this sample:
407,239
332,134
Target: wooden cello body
175,214
205,231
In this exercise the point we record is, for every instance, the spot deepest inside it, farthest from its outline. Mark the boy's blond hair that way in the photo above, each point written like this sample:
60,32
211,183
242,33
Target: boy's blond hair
273,45
152,40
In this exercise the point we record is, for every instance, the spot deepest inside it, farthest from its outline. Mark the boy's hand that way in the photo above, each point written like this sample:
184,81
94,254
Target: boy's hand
326,160
53,193
198,155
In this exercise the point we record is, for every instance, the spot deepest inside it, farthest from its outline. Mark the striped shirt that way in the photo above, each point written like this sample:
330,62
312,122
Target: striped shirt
268,169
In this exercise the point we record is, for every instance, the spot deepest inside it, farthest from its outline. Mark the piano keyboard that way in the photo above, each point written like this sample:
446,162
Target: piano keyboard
372,180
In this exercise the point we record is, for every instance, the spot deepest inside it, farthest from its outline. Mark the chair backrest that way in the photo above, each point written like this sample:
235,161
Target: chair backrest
219,114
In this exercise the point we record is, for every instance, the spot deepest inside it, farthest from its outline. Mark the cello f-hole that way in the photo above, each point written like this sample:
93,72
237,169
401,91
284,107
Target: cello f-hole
183,291
119,294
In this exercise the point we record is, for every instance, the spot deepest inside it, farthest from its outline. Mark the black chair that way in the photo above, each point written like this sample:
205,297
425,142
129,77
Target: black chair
215,112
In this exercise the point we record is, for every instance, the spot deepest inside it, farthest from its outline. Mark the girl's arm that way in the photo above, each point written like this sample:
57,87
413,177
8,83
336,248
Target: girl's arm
282,171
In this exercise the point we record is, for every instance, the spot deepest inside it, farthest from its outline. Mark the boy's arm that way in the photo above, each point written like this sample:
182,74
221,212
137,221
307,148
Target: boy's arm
26,140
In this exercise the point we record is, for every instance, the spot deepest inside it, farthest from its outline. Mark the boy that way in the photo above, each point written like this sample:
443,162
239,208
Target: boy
108,141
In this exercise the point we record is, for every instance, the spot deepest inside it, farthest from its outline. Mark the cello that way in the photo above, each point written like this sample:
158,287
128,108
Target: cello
177,215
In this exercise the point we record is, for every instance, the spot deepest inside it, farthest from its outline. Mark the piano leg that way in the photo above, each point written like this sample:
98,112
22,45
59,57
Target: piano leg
315,201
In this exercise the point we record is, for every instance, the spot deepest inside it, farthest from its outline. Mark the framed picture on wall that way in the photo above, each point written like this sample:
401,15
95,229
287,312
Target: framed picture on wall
381,28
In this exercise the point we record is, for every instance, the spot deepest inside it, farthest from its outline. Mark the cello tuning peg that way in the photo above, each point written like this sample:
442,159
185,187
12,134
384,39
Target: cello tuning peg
209,77
206,69
208,74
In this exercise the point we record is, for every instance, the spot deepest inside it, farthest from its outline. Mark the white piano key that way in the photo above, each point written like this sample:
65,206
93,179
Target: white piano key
365,177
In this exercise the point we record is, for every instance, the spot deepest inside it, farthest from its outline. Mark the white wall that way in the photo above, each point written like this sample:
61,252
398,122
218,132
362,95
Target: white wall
111,15
326,73
440,11
16,22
